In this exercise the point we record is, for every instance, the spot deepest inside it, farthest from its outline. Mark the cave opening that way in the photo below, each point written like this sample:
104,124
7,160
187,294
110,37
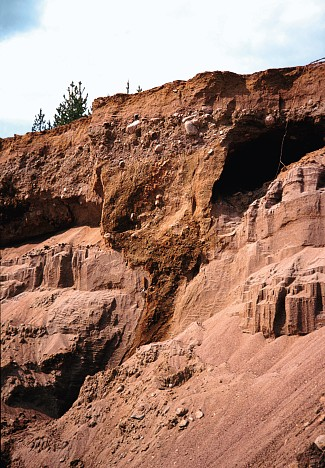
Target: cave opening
253,162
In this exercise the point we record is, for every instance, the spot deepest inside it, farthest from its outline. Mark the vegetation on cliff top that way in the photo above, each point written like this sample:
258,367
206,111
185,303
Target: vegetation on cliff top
71,108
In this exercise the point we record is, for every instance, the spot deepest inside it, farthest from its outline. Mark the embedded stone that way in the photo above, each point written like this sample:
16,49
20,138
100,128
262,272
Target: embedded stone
158,148
320,442
183,424
181,411
269,120
132,127
138,416
190,128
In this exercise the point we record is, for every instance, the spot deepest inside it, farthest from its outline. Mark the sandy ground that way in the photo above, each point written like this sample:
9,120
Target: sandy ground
251,402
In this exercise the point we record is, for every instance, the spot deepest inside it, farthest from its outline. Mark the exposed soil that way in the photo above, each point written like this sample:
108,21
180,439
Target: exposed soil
163,279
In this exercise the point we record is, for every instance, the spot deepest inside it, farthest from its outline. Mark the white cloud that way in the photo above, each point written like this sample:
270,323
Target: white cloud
104,44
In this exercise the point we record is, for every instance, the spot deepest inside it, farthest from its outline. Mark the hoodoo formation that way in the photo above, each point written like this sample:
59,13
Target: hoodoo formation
163,279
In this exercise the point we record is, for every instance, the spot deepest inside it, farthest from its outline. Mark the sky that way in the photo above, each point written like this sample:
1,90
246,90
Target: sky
46,44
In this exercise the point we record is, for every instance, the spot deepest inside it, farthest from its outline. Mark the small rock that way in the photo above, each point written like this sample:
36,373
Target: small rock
138,416
320,442
158,148
269,120
132,127
183,424
121,163
199,414
181,411
120,389
190,128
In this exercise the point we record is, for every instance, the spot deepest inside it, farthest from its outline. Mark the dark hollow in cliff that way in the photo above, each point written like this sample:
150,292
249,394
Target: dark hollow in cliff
57,398
19,222
252,161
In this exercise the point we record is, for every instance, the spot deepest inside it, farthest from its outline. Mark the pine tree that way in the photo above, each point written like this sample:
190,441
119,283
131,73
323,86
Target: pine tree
72,107
39,123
